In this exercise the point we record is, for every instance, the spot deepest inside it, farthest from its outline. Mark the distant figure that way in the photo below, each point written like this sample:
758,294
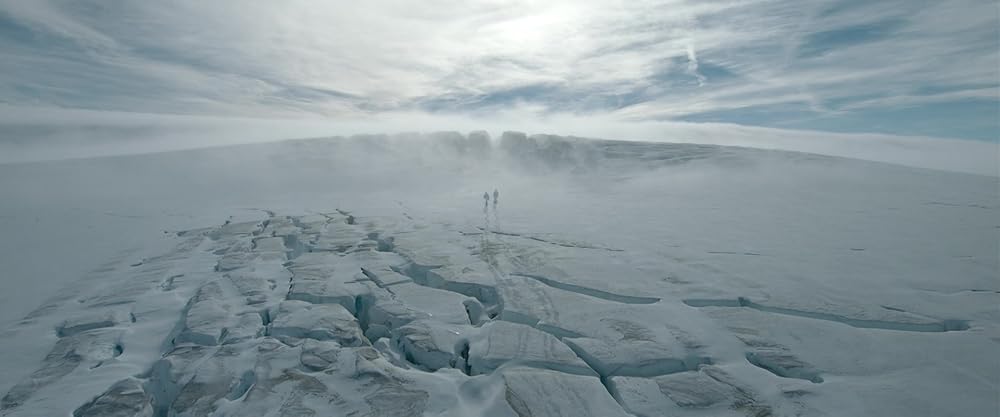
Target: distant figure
486,217
496,214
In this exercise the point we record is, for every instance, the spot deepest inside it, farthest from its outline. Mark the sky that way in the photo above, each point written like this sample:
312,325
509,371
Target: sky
881,70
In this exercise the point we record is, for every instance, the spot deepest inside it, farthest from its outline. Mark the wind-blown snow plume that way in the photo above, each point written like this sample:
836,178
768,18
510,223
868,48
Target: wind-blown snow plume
692,66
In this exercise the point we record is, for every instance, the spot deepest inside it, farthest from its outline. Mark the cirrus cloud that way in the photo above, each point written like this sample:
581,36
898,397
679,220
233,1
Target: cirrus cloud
894,67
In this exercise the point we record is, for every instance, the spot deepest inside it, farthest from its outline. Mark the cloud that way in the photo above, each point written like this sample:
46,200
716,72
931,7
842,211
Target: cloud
693,65
32,134
826,64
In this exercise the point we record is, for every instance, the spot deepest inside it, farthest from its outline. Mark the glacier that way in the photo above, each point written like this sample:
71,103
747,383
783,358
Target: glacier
362,276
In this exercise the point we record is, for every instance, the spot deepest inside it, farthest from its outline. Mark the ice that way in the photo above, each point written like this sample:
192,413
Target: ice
542,392
381,267
269,244
86,350
384,276
430,345
238,228
235,261
630,357
529,302
260,288
220,376
423,258
425,323
474,280
384,313
692,393
439,305
327,292
208,317
247,326
354,381
319,355
846,312
362,277
125,398
281,226
298,320
606,277
325,278
499,343
76,325
337,237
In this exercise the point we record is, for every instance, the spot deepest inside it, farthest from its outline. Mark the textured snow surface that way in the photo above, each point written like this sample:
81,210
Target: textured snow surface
363,277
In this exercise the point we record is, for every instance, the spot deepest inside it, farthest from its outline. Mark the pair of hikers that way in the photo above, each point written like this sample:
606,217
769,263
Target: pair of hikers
486,211
486,199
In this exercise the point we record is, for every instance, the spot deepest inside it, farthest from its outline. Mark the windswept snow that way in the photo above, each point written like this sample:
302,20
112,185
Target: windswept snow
361,276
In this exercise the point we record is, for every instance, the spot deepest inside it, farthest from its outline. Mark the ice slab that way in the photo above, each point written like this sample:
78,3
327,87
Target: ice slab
428,344
86,322
318,355
474,280
634,357
542,392
694,393
79,352
500,342
208,316
269,244
126,398
439,305
301,320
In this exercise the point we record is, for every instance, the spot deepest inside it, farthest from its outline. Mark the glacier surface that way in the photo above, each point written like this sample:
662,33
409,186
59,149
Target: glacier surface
363,276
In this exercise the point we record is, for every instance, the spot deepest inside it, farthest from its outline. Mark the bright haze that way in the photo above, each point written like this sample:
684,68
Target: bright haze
724,208
903,81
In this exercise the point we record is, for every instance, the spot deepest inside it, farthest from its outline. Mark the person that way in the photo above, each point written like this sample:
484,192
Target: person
496,214
486,215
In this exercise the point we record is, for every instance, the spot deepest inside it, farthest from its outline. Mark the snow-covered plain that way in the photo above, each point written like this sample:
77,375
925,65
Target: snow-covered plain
362,276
